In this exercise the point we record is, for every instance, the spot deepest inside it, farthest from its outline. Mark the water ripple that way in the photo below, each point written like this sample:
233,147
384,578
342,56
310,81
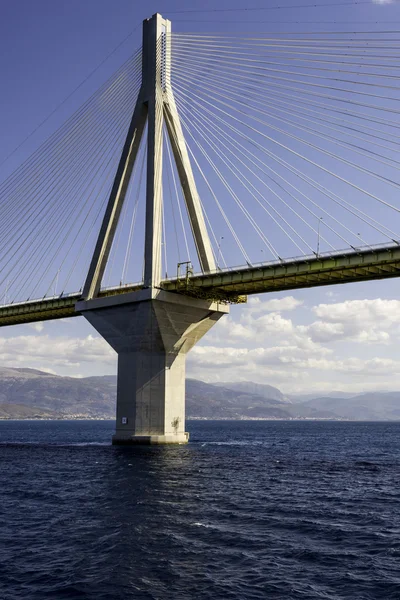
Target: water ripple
250,510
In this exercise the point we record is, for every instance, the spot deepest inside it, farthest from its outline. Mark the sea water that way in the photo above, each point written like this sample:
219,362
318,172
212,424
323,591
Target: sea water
246,510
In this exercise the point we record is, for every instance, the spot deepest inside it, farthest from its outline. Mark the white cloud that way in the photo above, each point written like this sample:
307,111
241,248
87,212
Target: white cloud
366,321
31,350
257,342
360,310
267,347
39,326
275,304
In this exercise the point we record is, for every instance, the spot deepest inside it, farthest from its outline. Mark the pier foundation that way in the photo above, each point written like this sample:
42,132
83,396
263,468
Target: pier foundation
151,331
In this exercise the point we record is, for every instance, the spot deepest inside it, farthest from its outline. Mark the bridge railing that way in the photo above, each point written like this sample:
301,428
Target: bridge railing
240,268
299,259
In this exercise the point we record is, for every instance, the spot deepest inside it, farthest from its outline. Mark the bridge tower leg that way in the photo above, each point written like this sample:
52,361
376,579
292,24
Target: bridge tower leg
151,330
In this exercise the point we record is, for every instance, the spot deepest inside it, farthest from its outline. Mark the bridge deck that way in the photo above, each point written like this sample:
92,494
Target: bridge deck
361,265
228,285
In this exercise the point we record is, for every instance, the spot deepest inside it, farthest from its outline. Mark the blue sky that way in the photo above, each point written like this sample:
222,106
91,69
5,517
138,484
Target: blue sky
46,50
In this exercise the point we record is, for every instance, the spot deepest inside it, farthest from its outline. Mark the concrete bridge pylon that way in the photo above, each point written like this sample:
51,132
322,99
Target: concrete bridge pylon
151,330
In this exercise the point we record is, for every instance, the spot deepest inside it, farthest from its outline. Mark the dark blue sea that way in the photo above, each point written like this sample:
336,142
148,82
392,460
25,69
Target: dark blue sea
247,510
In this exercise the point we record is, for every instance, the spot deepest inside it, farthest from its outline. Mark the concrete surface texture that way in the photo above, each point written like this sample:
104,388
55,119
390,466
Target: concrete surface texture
152,331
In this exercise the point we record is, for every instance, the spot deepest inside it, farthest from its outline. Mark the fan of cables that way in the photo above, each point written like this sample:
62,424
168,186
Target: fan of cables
293,139
52,205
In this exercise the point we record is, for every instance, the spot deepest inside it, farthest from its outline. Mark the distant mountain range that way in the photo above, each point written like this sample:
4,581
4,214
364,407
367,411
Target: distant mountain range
30,394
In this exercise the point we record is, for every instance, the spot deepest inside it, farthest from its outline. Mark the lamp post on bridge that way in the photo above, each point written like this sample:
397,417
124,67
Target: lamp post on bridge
319,223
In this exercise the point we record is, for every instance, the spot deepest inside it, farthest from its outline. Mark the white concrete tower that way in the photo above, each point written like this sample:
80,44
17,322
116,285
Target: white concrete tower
151,330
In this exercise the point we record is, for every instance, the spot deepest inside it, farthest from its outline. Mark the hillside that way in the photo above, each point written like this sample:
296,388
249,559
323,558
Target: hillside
373,406
211,402
260,389
28,393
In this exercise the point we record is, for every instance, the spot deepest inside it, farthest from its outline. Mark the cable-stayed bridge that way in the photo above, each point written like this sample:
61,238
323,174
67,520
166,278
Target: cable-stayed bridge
203,152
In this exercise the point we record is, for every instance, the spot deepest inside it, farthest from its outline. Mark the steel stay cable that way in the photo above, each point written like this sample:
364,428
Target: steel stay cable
219,152
189,219
53,165
108,271
386,180
334,98
44,208
235,170
178,250
87,237
134,214
269,38
357,115
234,195
386,41
318,49
94,221
317,121
268,44
267,8
115,245
265,72
44,146
228,223
70,95
381,75
224,56
256,36
224,216
336,233
72,180
217,244
304,54
333,139
236,198
302,176
280,176
62,220
110,170
254,93
344,55
163,237
332,22
55,215
319,148
60,149
205,122
355,148
293,169
67,218
66,254
51,185
177,201
204,210
271,45
230,138
122,219
319,38
311,102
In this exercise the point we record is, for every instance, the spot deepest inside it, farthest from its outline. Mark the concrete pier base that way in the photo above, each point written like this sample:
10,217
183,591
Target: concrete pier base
152,331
